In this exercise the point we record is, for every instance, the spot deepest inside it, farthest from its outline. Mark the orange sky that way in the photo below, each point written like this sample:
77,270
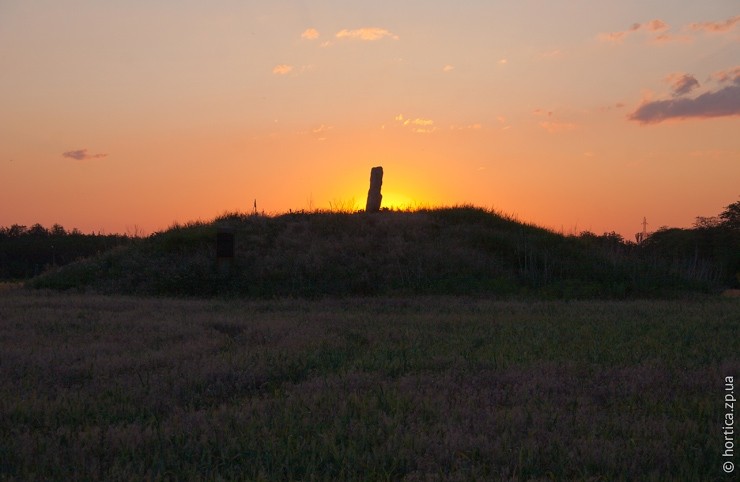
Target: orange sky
574,115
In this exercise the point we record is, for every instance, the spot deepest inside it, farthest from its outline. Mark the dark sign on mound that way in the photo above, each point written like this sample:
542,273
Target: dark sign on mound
225,243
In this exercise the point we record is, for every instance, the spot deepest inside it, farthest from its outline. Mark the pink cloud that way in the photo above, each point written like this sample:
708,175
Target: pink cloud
613,37
310,34
654,26
716,27
659,31
664,38
282,69
554,127
728,75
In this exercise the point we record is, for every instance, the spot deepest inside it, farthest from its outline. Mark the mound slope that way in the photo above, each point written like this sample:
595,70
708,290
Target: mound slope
461,250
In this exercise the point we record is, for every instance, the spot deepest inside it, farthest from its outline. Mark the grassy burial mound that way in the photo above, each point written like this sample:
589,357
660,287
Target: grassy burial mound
461,250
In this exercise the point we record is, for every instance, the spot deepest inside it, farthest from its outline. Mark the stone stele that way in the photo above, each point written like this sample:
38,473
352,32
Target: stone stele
374,197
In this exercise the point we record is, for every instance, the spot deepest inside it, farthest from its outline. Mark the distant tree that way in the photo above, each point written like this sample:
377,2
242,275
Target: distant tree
606,238
730,217
706,222
58,230
38,230
613,237
17,230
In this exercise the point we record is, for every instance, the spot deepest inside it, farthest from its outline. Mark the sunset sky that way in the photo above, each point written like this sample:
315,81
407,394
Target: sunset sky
574,115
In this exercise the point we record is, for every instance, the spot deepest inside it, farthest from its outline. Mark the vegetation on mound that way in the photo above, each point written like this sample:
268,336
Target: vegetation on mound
460,250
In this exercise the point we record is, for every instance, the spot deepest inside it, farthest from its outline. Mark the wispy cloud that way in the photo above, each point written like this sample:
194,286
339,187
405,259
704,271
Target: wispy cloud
417,125
321,129
282,69
554,127
551,123
716,27
321,132
366,33
656,25
551,54
614,37
724,102
659,32
657,29
728,75
468,127
310,34
682,84
667,37
82,155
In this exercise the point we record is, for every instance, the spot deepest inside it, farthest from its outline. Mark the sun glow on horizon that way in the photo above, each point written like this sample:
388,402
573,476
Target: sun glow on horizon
398,201
595,117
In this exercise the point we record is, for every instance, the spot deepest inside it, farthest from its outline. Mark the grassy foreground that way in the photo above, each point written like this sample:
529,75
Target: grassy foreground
96,387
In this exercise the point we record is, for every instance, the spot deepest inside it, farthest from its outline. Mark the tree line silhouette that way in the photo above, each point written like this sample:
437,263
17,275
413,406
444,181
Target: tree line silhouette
26,252
707,252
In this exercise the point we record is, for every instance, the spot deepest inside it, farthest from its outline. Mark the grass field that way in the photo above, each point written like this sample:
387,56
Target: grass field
96,387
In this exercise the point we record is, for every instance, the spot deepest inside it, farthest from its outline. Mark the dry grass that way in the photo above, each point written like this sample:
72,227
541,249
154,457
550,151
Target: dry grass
10,285
95,387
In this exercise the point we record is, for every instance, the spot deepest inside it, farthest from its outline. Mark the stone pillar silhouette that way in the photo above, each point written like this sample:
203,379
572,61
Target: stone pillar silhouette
374,197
